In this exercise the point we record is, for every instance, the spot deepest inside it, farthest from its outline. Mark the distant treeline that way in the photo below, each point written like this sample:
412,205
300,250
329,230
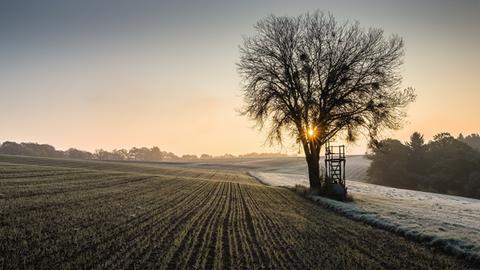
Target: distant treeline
445,164
473,140
135,153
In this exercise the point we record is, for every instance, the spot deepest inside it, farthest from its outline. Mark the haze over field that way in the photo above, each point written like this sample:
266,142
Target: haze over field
356,168
114,74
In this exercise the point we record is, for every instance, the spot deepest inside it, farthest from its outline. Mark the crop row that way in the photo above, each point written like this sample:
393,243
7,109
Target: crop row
67,217
52,164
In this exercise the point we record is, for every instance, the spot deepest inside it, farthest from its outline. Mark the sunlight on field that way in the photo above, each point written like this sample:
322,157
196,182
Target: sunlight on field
82,214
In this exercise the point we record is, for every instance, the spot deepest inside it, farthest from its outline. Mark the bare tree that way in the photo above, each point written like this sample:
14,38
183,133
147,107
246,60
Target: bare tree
315,78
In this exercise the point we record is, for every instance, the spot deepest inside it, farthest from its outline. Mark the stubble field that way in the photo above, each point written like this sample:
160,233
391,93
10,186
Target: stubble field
62,214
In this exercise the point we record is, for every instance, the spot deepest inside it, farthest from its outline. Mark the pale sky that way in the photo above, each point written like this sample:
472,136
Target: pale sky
117,74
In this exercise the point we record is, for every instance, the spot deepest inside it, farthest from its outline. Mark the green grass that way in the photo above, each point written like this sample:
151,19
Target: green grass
61,214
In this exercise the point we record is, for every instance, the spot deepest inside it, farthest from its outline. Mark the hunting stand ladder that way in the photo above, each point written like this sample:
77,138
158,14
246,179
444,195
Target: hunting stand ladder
335,163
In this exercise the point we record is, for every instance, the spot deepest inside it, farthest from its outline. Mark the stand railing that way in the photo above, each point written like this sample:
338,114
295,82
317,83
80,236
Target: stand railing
335,163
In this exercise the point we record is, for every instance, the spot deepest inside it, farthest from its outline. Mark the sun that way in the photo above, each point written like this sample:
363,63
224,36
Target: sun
311,132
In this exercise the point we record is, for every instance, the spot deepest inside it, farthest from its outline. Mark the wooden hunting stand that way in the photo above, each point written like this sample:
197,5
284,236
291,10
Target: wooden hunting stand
335,164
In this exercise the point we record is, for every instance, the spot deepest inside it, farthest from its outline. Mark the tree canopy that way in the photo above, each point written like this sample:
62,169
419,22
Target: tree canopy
313,73
445,165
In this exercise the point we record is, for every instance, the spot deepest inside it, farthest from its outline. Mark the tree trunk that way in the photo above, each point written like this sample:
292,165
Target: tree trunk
313,162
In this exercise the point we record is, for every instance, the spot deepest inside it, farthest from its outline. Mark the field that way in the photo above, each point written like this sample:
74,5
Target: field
356,168
449,222
63,214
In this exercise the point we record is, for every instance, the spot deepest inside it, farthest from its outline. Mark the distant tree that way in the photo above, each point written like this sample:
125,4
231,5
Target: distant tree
141,153
169,155
42,150
78,154
155,154
135,154
101,154
226,156
122,153
11,148
45,150
315,78
443,137
445,165
205,156
118,154
30,149
390,160
417,149
444,147
417,143
473,140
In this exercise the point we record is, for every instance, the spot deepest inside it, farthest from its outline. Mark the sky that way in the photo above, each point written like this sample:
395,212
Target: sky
117,74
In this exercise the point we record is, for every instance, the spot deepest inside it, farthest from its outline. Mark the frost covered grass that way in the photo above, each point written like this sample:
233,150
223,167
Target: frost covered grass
449,222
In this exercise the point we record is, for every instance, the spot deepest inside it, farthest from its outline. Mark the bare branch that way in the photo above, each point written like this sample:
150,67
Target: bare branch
311,70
